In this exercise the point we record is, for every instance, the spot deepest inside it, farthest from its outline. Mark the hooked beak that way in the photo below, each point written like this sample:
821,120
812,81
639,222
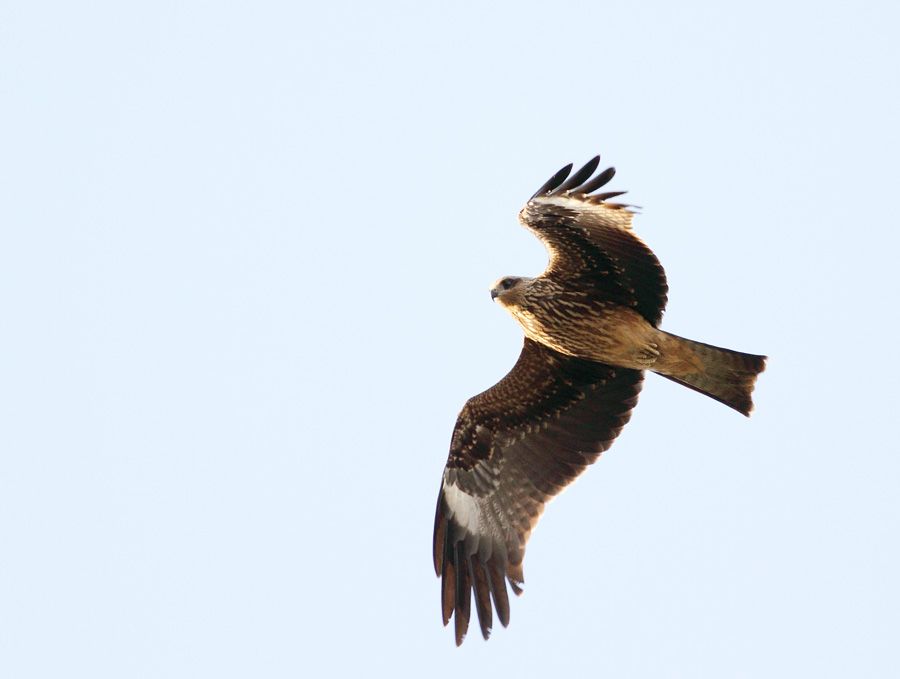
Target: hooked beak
494,294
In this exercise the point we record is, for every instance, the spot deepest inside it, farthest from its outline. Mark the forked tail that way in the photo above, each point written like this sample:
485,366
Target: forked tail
725,375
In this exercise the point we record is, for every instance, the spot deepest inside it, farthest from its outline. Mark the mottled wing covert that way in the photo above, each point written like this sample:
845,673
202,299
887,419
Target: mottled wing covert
591,243
514,447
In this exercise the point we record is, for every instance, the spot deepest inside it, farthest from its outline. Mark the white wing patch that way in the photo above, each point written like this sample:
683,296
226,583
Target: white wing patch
464,508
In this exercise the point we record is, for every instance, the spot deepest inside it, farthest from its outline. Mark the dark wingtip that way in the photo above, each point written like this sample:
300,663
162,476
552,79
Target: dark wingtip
554,181
600,180
578,178
460,633
464,574
497,582
482,590
580,183
608,195
440,530
448,591
463,593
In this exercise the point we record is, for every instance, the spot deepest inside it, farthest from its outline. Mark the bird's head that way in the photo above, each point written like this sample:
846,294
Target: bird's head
509,290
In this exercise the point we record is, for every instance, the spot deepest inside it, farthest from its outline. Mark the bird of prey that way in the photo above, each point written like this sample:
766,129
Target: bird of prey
591,330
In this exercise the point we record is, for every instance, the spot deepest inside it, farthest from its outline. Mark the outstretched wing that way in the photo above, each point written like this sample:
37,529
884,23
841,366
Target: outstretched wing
514,447
591,243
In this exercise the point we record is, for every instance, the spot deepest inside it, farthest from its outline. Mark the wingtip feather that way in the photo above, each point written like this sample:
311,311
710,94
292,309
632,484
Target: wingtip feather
440,532
463,594
578,178
554,181
482,590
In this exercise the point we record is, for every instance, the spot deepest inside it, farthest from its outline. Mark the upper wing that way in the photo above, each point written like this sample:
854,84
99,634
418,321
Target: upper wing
514,447
590,241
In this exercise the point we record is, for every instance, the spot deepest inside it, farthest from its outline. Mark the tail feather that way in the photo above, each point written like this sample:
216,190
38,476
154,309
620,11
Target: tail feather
725,375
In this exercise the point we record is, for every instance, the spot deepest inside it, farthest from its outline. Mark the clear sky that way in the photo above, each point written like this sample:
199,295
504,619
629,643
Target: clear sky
245,254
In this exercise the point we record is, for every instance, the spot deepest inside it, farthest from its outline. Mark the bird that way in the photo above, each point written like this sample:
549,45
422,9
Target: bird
591,325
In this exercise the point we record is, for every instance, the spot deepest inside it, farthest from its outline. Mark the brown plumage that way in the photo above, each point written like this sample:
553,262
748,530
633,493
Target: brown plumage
590,323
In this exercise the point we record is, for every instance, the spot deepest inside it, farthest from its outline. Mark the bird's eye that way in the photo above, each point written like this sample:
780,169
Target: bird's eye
507,283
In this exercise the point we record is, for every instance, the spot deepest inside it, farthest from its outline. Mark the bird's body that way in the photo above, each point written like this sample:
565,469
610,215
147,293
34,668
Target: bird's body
591,329
586,328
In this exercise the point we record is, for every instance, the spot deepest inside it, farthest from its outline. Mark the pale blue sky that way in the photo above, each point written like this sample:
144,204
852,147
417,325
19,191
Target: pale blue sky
245,252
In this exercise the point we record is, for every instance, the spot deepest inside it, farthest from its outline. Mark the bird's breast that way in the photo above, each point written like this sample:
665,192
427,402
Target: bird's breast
567,326
607,333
